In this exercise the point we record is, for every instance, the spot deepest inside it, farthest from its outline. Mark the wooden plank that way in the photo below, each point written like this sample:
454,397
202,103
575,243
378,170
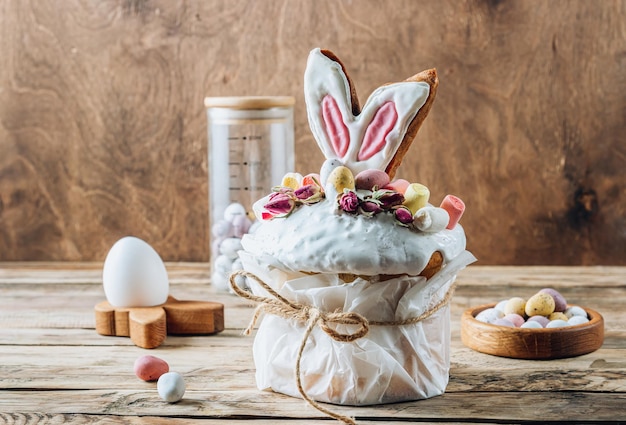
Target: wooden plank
562,406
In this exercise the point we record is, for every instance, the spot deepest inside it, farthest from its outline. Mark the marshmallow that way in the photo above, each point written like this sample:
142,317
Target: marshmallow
431,219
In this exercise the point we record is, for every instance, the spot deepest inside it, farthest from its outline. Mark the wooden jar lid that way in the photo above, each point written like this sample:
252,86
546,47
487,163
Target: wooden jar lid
532,344
249,102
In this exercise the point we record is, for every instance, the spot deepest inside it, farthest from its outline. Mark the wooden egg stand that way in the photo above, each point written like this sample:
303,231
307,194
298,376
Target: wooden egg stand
147,327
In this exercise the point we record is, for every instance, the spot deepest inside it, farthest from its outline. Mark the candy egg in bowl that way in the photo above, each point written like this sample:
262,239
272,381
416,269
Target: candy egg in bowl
540,343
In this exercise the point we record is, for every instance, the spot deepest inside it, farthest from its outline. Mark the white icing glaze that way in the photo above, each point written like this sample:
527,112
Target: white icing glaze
324,76
319,238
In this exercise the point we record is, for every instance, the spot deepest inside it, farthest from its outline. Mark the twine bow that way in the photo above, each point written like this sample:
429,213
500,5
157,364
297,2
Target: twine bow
281,306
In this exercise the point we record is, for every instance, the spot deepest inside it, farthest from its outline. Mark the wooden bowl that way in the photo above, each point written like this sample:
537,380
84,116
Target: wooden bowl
534,344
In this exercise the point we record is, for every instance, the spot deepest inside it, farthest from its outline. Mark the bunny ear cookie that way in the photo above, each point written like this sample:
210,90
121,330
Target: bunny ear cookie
376,136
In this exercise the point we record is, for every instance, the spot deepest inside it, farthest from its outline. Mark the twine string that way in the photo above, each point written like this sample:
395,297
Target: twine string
280,306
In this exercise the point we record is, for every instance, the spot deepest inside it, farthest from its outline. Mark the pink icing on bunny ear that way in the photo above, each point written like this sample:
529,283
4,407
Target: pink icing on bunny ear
335,127
377,131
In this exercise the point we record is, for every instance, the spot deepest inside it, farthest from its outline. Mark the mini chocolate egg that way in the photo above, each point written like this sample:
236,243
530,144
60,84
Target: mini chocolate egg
416,196
515,305
241,224
223,229
504,322
542,320
171,387
575,311
369,179
229,247
223,264
557,324
489,315
341,178
577,320
134,275
399,185
328,167
557,315
540,304
292,180
531,325
559,301
500,305
233,210
514,318
150,368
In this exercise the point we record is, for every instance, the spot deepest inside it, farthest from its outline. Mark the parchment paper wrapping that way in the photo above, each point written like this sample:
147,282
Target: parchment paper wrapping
390,364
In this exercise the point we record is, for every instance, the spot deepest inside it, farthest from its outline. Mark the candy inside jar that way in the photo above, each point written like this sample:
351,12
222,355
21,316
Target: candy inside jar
226,234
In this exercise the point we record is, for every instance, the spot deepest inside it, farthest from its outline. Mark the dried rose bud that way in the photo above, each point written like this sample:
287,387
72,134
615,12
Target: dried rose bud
370,208
403,215
280,204
388,198
309,194
349,202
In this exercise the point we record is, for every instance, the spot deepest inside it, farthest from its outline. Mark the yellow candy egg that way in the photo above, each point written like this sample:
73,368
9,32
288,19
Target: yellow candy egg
341,178
515,305
292,180
416,196
540,304
557,315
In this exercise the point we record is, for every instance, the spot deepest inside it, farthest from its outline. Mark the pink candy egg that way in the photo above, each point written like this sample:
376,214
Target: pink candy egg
150,368
516,319
368,179
399,185
504,322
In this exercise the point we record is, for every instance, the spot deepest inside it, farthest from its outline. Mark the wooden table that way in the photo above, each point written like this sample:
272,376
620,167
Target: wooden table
55,368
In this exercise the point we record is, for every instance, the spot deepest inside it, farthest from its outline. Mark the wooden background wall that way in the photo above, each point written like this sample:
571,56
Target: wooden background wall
103,129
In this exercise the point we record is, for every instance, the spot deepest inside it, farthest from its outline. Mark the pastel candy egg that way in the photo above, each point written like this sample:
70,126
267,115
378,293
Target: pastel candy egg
292,180
515,305
223,229
229,247
577,320
341,178
516,319
557,324
312,178
368,179
504,322
559,301
134,275
489,315
542,320
500,305
575,311
416,196
223,264
531,325
220,281
233,210
557,315
150,368
241,224
540,304
399,185
431,219
171,387
327,167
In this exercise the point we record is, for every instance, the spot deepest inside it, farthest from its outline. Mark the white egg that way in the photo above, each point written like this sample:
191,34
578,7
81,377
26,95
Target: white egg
223,229
241,224
220,281
134,275
223,264
327,167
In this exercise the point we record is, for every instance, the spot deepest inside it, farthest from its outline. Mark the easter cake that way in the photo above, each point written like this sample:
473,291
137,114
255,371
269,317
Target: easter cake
352,240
